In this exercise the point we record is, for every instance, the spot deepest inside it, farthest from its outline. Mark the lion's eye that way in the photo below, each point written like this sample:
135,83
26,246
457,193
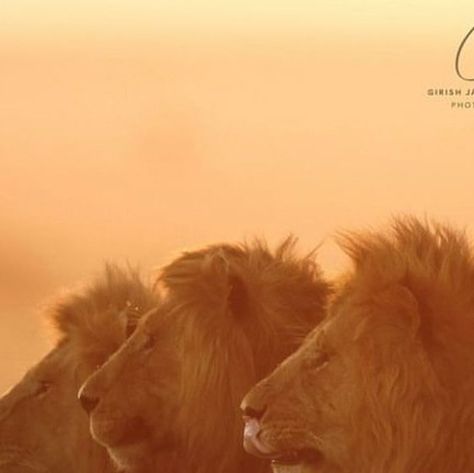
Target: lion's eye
324,359
150,342
43,388
320,360
130,328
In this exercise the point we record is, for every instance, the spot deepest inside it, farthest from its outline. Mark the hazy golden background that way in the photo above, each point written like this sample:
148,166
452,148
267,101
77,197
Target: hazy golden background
132,129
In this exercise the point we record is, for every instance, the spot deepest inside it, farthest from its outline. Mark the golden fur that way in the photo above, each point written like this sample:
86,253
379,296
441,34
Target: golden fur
229,315
385,383
42,427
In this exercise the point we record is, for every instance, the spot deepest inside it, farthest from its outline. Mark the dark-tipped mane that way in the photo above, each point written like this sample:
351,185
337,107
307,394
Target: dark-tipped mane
96,317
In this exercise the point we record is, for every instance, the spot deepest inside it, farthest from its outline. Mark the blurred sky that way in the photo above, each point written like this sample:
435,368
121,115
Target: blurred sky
142,17
132,130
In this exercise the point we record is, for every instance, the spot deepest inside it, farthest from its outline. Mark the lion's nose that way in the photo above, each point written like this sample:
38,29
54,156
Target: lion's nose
88,402
253,410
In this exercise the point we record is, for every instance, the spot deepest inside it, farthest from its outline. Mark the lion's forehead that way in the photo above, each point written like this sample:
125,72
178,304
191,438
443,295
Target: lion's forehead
331,327
335,334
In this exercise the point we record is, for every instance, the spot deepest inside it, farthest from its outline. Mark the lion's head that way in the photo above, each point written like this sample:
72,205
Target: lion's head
385,383
42,427
169,399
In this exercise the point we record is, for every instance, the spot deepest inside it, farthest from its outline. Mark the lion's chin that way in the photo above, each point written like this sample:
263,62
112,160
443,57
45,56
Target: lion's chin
117,433
289,459
132,457
144,456
278,467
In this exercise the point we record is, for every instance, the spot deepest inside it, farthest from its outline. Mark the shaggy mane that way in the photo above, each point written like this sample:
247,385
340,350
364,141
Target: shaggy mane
279,281
433,260
91,316
418,276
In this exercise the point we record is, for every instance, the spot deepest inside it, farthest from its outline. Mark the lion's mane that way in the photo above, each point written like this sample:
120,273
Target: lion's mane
433,398
242,309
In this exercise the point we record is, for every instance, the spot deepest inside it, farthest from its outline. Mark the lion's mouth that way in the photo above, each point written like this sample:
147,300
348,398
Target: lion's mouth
113,432
256,446
296,457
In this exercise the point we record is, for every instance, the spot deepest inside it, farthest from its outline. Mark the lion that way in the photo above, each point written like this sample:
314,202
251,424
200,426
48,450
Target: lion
384,383
42,427
168,400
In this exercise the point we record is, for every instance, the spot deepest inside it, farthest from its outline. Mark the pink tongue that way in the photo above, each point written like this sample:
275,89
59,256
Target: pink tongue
252,443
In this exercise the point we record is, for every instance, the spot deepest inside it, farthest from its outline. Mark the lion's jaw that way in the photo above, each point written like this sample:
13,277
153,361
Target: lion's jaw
128,440
132,457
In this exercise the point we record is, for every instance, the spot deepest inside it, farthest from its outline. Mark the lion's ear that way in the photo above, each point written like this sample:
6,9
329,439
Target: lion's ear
210,280
235,289
238,298
215,266
400,307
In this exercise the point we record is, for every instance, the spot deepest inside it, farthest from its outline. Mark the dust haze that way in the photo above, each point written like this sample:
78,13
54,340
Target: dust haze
133,151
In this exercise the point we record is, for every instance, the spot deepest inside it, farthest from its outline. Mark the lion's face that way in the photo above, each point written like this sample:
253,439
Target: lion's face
300,414
33,430
133,393
42,426
352,389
